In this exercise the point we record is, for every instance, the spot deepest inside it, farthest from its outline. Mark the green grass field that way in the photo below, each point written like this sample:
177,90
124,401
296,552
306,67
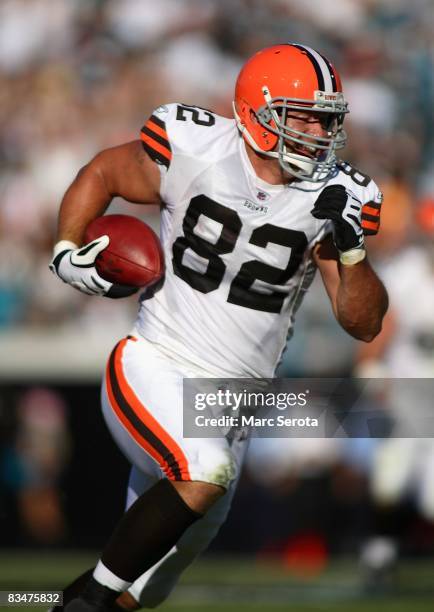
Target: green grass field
229,585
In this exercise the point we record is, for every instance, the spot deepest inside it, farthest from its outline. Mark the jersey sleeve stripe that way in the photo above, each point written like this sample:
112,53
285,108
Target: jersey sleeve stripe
370,210
163,141
143,427
373,204
155,150
370,227
158,122
158,128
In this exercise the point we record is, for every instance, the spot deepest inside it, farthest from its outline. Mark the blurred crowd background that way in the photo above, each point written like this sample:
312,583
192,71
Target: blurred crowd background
76,77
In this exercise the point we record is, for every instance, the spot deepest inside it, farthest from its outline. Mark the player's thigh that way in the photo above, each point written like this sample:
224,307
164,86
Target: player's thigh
142,398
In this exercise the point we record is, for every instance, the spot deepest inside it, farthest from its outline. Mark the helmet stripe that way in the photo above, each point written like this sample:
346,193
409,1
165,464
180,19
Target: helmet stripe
325,76
332,73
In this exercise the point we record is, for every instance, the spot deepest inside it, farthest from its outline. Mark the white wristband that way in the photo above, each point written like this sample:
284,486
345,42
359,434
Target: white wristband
63,245
351,257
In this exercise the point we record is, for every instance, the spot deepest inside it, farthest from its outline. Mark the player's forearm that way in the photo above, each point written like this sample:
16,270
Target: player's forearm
361,301
86,199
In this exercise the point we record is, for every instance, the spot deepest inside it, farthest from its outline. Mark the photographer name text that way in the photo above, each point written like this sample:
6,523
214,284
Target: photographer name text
253,421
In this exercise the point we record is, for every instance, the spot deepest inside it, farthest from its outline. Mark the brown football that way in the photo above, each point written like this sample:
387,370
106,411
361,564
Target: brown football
134,256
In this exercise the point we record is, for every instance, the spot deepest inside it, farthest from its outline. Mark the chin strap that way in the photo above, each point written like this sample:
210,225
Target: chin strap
249,138
299,161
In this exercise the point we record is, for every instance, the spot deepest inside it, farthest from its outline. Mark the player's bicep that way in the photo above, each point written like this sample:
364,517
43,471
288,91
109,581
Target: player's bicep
325,256
129,172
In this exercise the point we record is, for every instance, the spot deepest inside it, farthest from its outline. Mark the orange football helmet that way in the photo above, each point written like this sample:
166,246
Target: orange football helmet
291,77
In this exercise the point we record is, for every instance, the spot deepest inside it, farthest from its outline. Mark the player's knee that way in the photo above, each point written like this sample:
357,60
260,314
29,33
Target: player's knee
199,496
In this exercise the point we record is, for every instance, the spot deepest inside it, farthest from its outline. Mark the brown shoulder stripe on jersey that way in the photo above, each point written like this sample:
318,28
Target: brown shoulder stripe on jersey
143,427
155,141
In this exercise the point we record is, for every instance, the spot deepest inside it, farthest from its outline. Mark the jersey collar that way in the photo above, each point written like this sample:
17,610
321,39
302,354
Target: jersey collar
257,183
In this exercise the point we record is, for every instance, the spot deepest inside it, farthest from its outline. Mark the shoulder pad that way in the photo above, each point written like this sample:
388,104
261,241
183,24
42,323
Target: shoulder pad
176,128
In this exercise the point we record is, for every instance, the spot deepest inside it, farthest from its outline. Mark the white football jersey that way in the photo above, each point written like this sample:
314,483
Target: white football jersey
237,249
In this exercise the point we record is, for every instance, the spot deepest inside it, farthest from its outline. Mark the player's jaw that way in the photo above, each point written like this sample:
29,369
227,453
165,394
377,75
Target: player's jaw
307,142
307,150
308,133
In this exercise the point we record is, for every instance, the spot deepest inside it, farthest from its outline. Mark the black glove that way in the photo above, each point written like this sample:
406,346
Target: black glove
345,211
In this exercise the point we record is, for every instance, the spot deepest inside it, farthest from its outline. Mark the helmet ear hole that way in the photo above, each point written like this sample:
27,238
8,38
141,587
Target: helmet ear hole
253,117
253,132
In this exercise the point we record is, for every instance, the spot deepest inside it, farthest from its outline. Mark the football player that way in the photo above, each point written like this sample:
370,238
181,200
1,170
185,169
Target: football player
250,208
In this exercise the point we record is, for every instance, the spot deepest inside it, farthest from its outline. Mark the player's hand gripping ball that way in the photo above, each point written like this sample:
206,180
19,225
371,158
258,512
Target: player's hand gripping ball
133,258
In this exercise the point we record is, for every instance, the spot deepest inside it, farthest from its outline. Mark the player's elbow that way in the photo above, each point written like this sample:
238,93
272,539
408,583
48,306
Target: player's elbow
368,337
365,331
364,324
374,325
